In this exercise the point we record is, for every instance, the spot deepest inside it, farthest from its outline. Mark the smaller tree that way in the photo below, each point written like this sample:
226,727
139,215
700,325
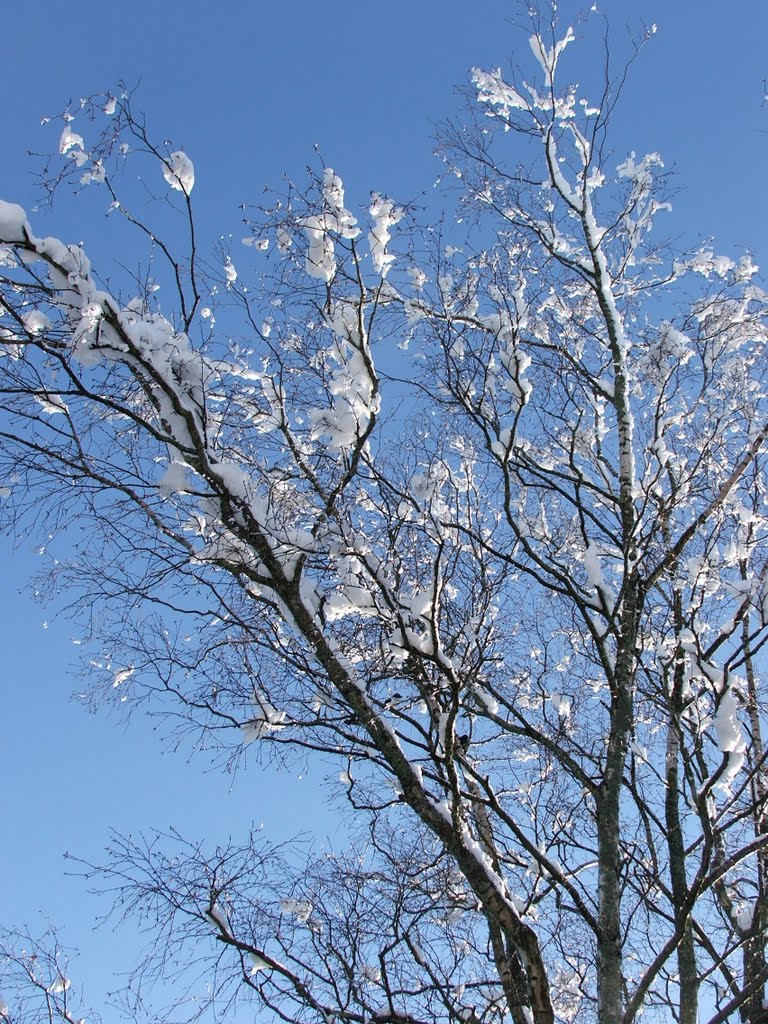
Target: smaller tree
35,981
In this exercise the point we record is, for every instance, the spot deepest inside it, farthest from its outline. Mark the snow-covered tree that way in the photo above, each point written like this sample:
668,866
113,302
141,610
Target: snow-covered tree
479,520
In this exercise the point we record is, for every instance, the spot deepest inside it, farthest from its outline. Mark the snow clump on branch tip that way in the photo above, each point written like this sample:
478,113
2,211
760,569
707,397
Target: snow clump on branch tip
179,172
730,738
320,260
492,89
14,226
385,215
266,719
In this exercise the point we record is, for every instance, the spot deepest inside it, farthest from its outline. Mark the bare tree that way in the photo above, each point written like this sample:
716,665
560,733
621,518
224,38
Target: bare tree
482,521
35,980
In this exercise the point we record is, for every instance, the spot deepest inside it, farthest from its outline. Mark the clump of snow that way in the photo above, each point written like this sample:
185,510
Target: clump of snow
179,171
492,89
174,480
592,565
746,268
36,322
122,675
69,140
419,955
230,270
349,599
640,172
262,244
745,916
548,58
352,386
561,704
385,215
51,404
301,909
730,739
219,918
706,263
320,261
418,278
265,720
14,226
673,344
96,174
257,964
488,701
516,363
594,573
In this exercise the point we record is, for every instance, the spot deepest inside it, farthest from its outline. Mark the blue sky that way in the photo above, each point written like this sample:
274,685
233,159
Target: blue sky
247,89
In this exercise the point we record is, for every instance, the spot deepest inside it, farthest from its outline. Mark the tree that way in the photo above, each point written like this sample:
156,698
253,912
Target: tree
35,978
509,579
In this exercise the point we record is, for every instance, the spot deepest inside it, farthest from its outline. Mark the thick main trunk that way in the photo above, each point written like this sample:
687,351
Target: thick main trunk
610,976
517,954
755,961
686,951
610,980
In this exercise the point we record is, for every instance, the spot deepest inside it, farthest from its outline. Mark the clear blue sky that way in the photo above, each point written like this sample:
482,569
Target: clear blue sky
247,89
